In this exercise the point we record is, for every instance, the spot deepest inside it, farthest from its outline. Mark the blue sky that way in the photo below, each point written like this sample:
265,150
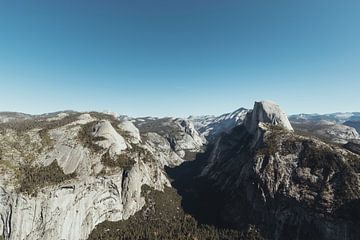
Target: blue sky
171,57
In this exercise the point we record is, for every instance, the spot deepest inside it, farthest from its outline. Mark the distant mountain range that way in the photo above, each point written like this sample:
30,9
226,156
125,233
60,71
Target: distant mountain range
248,174
332,117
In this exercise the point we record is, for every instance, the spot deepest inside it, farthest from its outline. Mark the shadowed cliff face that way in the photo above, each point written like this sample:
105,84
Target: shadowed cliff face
199,198
353,147
289,186
66,173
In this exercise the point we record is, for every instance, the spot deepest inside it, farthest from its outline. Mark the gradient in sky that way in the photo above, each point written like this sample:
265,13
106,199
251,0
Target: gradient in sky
172,57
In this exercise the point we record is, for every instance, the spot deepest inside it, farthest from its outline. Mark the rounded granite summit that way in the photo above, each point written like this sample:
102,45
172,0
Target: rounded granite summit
266,112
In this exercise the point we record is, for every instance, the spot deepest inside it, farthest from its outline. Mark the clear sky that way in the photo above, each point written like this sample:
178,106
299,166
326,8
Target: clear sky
179,57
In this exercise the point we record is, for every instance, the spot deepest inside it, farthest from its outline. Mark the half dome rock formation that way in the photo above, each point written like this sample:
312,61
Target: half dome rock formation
266,112
289,185
69,175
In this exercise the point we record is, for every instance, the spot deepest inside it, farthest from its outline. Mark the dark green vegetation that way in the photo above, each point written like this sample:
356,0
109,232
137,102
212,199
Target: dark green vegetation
22,126
270,145
113,120
46,141
162,218
288,185
324,160
168,128
334,169
123,161
141,153
33,178
87,139
160,126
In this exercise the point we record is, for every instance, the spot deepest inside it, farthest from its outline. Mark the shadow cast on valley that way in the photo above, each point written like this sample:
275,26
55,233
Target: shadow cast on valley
208,206
199,198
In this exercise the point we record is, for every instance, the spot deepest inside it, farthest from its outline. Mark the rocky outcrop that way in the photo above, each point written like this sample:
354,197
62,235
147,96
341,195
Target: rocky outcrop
95,149
211,127
180,133
72,210
329,131
187,139
353,124
65,173
266,112
130,129
290,186
67,152
13,116
109,138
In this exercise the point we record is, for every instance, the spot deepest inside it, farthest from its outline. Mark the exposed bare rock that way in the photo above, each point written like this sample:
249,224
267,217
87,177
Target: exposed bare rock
211,127
180,133
13,116
161,149
70,155
291,186
72,209
266,112
82,145
83,119
65,173
353,124
59,116
130,129
112,140
330,131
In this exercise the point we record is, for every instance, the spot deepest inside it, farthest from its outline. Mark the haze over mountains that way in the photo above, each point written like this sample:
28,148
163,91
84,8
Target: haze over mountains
249,174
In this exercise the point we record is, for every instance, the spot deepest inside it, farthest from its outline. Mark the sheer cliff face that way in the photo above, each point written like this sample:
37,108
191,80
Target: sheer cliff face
291,186
63,174
266,112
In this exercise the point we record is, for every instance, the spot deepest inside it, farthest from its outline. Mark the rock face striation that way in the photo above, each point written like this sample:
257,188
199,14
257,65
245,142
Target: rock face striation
110,138
266,112
63,174
180,133
290,186
211,127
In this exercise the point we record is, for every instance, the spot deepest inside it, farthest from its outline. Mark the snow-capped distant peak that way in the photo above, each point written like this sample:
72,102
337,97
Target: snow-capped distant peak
211,126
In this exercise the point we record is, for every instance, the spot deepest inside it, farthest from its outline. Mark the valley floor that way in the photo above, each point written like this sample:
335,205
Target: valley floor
188,210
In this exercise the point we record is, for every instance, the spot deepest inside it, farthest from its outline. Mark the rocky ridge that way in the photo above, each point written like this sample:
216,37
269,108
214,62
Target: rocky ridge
70,175
211,127
291,186
64,174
